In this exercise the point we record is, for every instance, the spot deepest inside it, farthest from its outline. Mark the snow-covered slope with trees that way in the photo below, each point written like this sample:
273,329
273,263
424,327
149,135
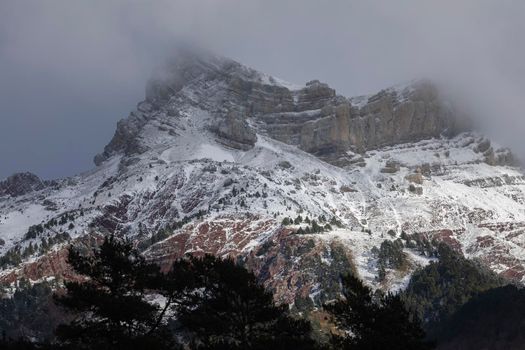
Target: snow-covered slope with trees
222,159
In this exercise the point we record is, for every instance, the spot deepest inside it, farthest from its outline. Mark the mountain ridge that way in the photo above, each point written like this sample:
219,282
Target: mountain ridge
218,155
312,117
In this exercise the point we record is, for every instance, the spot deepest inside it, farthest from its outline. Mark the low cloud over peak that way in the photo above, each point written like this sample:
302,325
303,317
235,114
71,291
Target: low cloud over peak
70,70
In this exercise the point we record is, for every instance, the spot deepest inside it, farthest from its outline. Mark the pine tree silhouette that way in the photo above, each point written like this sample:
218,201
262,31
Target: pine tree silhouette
226,308
212,303
373,322
110,303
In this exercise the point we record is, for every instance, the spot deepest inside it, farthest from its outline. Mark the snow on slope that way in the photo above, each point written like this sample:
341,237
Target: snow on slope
181,176
210,197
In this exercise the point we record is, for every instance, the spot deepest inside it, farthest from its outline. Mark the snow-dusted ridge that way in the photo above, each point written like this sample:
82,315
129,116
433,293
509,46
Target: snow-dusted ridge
175,165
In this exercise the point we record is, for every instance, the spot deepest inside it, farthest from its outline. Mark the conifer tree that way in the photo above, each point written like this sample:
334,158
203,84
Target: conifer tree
373,322
226,308
109,304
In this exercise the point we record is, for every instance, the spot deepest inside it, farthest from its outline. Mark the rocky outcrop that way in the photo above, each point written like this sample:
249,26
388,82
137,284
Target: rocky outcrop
234,131
127,135
21,183
293,266
333,125
315,95
243,102
500,156
396,116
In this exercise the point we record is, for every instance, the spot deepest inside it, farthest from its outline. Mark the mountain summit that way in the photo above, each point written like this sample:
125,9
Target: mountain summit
298,183
242,102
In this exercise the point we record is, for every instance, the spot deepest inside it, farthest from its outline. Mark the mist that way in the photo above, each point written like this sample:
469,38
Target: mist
69,70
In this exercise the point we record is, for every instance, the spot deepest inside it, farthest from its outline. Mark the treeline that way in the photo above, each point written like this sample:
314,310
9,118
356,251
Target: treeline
125,302
167,231
15,255
312,225
436,292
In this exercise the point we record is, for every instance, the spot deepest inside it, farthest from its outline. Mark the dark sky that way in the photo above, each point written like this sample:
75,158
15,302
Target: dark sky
70,69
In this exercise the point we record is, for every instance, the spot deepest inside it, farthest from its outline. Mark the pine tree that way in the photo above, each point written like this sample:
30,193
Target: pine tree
109,304
226,308
298,220
315,227
373,322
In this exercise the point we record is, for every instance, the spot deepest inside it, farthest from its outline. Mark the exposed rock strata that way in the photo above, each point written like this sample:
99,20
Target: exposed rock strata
242,102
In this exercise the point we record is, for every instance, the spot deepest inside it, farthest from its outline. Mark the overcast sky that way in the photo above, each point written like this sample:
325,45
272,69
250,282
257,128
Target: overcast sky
70,69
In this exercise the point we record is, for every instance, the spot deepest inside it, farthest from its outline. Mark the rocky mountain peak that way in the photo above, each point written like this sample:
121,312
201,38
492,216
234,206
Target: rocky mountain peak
222,159
21,183
243,102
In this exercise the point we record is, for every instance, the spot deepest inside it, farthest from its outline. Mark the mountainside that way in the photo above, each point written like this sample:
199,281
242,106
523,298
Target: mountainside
218,154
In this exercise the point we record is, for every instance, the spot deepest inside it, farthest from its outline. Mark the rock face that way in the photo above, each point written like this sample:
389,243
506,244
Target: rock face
235,132
21,183
126,138
243,102
402,115
334,125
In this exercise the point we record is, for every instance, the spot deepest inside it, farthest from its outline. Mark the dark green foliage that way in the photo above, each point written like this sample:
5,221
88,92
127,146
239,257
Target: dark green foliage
390,255
438,290
303,304
30,312
217,305
65,218
301,231
314,227
286,222
167,231
298,220
494,319
33,232
420,243
12,257
30,250
226,308
373,321
329,276
110,308
50,223
48,243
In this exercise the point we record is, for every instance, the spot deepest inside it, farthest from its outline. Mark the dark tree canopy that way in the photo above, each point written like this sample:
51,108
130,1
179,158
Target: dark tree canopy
110,306
207,303
372,321
29,312
494,319
436,291
226,308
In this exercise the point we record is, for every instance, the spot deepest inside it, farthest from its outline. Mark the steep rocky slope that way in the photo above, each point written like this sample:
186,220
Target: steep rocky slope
217,155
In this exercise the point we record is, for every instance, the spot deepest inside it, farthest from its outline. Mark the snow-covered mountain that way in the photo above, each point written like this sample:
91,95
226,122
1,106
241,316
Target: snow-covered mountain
218,154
